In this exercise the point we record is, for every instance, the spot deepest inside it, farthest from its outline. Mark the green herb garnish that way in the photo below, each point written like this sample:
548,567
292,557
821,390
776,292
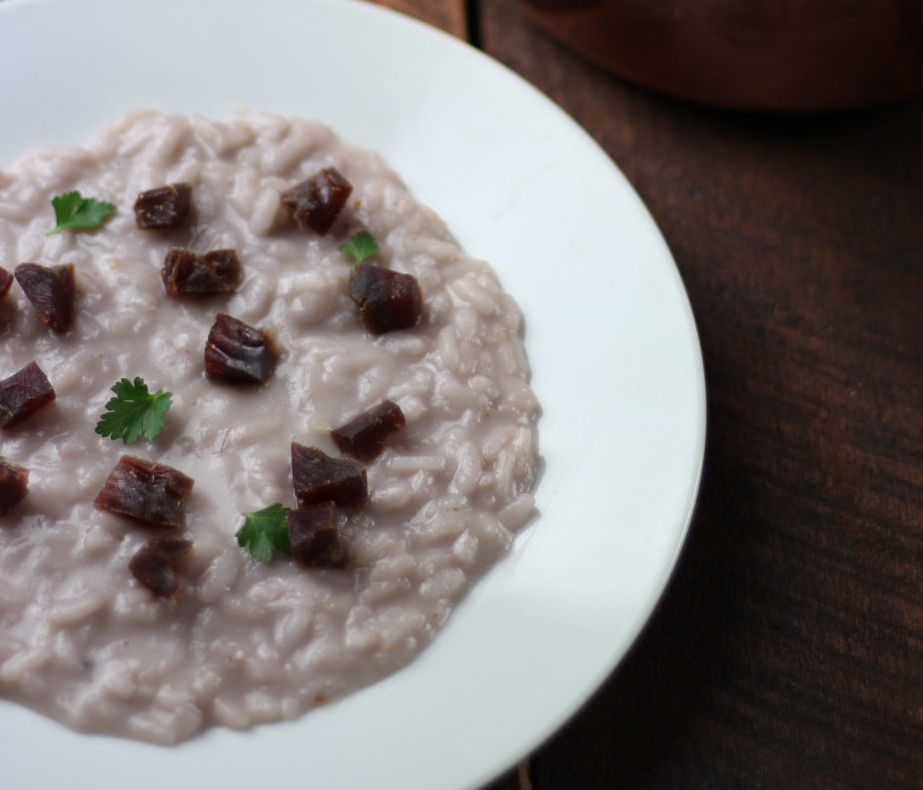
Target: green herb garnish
134,411
265,530
72,210
360,246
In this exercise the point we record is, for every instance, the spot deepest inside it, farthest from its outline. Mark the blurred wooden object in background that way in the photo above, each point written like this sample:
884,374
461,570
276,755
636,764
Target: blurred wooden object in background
757,54
787,651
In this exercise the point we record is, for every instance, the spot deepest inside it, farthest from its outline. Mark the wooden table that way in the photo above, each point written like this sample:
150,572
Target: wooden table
787,651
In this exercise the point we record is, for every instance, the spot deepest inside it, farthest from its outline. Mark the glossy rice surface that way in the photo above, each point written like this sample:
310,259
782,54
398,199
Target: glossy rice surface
246,642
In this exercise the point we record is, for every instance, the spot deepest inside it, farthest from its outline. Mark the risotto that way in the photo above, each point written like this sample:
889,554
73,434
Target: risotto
245,641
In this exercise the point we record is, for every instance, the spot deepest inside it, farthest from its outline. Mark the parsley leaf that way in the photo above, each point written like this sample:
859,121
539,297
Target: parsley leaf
265,530
360,246
72,210
134,411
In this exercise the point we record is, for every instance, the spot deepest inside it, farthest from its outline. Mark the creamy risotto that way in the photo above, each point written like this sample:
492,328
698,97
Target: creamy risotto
245,641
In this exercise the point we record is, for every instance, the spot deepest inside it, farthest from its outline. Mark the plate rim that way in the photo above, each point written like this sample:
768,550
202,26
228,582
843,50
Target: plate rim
669,565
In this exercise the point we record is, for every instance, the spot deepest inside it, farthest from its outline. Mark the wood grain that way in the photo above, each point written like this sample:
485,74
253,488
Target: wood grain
788,650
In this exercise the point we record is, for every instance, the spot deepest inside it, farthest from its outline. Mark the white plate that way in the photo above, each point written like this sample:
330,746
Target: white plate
610,336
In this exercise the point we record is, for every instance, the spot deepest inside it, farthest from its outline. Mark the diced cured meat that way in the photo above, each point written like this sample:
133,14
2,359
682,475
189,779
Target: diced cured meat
316,202
24,393
6,280
319,478
387,300
363,437
51,290
14,484
238,353
147,492
163,207
154,565
312,532
187,273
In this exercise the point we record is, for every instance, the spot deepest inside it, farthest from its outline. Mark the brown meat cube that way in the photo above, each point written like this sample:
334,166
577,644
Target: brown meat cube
186,273
51,290
14,484
6,280
154,565
316,202
312,531
151,493
163,207
238,353
24,393
387,300
363,437
319,478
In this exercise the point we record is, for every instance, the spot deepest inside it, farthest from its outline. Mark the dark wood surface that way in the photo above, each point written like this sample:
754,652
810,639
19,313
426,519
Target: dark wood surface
788,649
